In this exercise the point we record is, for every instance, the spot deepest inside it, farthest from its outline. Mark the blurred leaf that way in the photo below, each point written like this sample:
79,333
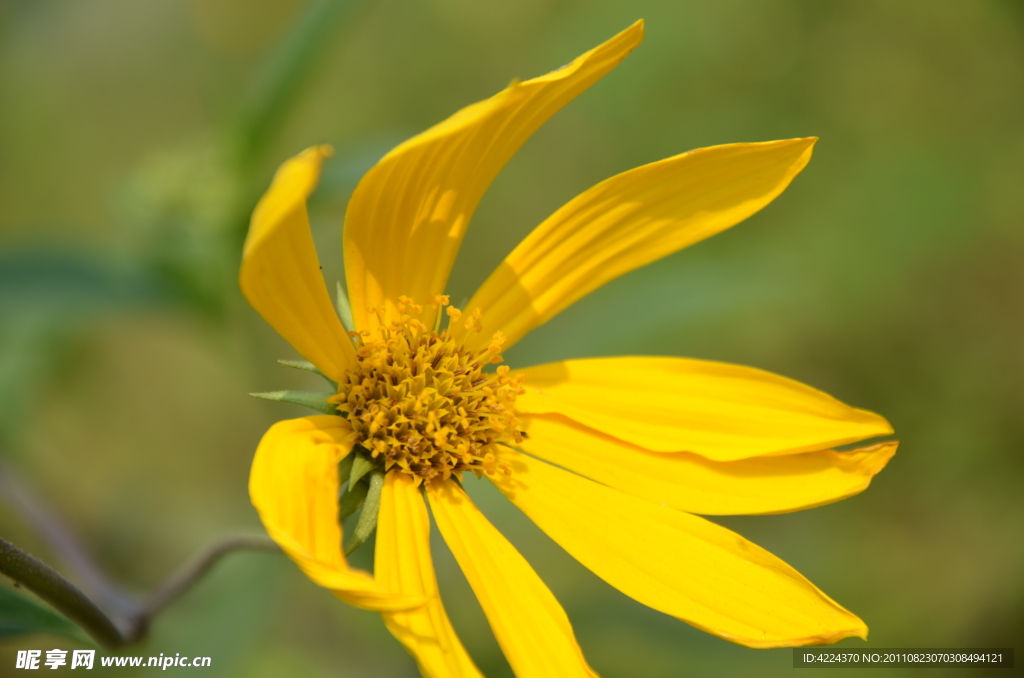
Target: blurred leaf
285,71
43,295
27,351
62,285
20,615
343,171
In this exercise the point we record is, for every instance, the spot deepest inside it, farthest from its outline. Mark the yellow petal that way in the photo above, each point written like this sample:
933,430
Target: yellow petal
628,221
402,563
720,411
530,625
407,216
767,484
675,562
294,487
280,273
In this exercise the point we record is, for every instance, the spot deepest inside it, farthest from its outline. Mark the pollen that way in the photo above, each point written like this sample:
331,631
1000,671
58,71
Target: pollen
421,403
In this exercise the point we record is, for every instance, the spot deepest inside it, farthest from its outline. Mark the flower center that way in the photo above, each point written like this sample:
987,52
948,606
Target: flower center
421,401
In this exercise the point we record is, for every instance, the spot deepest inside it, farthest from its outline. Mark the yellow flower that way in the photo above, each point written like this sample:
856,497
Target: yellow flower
611,457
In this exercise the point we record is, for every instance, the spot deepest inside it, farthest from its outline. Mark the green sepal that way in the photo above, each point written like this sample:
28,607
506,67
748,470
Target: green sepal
345,468
344,309
360,467
368,518
307,366
316,400
351,499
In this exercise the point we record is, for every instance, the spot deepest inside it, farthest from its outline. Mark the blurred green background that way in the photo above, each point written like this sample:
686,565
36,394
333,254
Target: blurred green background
136,136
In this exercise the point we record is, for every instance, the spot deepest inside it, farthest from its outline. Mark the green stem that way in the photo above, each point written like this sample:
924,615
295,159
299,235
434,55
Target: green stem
283,75
45,582
59,540
194,570
48,584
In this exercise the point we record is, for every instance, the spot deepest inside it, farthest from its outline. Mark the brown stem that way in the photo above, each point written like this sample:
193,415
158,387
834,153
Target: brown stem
192,571
61,542
38,577
44,581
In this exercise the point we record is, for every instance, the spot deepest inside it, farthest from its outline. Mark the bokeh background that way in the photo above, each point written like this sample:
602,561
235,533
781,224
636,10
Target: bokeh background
136,136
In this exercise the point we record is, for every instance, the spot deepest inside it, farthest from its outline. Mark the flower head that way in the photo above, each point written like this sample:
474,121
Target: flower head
611,457
420,400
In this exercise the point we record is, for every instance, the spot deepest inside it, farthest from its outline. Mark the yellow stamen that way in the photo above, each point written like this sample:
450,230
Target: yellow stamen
422,401
453,314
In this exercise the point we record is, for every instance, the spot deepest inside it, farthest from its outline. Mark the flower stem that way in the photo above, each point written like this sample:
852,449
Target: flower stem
43,580
194,570
38,577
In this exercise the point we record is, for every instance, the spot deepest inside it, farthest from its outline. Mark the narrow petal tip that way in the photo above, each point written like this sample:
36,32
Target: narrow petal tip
631,36
860,631
876,457
636,28
303,169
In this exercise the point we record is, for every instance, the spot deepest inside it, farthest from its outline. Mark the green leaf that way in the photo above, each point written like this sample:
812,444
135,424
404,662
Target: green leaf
274,91
307,366
29,356
341,174
46,295
21,615
316,400
69,285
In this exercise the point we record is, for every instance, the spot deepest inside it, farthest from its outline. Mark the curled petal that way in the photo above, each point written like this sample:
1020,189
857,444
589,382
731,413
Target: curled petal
294,486
280,274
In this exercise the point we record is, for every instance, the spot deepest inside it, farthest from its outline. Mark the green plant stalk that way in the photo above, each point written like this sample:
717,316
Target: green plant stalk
276,87
42,580
64,596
